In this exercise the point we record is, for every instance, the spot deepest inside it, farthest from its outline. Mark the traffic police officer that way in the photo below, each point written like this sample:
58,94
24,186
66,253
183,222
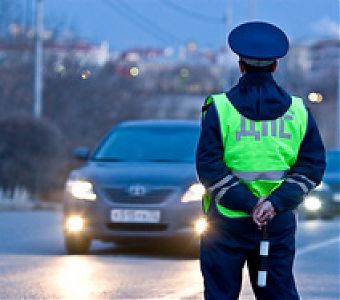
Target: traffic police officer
258,154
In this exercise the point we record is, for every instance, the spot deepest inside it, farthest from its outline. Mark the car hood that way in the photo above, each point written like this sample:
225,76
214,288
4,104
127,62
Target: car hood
122,173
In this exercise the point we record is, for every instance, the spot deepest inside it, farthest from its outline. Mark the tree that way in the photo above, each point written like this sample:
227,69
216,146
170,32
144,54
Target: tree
31,154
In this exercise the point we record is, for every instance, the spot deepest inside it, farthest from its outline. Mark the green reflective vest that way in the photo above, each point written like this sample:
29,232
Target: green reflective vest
259,153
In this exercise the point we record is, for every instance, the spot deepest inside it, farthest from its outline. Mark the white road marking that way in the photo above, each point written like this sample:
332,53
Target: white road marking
192,291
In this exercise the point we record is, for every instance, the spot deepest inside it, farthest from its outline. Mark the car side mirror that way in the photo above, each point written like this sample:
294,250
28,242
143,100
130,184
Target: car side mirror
82,153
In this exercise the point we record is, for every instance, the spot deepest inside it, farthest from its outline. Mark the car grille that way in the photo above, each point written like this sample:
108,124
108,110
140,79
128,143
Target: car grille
137,227
152,196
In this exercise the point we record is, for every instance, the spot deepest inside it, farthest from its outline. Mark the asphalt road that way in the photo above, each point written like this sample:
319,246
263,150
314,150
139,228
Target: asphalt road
33,265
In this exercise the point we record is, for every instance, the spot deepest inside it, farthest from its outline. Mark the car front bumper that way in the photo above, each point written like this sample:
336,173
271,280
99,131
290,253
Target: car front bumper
177,220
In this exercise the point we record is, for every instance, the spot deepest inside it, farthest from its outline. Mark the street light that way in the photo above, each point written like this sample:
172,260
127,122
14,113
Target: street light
315,97
134,71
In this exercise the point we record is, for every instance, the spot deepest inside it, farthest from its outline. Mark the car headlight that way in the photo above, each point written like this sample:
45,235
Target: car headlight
322,187
312,203
81,189
74,223
194,193
201,225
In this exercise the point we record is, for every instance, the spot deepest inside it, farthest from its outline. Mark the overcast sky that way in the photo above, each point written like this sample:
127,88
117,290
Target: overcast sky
160,23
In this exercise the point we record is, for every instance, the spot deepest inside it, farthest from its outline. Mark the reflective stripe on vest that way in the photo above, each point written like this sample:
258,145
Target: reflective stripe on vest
264,175
259,153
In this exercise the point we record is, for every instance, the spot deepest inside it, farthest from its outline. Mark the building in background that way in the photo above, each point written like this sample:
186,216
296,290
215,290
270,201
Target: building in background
324,55
298,59
84,53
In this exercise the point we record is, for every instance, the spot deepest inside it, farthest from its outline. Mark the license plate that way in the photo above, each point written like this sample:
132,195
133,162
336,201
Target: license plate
135,216
336,197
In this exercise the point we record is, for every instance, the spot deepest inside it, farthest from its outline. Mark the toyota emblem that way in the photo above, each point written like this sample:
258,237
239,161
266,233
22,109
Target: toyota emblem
137,190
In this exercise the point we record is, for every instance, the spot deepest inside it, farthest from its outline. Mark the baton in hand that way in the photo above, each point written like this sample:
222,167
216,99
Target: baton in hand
264,252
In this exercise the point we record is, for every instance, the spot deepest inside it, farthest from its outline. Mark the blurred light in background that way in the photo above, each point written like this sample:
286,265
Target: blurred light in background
15,29
184,73
85,74
315,97
134,71
59,68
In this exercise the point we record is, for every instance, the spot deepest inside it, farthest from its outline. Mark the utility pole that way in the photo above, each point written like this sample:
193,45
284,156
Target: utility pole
38,60
338,103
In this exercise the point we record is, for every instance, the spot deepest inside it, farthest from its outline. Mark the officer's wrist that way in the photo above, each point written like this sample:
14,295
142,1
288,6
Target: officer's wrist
275,202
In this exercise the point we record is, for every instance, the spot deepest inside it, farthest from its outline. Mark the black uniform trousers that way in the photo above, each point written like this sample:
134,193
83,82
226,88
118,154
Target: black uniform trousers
232,242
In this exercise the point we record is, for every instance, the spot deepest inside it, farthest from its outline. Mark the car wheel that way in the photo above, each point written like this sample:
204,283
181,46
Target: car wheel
77,244
193,251
189,248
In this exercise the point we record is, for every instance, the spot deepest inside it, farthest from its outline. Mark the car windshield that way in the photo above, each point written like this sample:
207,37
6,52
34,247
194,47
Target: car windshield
149,144
333,161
